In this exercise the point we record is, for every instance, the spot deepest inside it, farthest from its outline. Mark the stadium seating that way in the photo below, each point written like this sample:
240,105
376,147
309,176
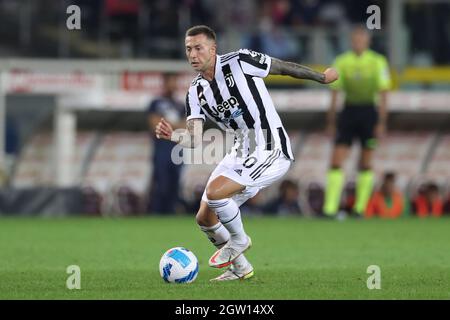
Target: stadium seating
403,153
440,160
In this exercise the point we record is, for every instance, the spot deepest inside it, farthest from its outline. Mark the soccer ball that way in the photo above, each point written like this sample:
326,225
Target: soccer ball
178,265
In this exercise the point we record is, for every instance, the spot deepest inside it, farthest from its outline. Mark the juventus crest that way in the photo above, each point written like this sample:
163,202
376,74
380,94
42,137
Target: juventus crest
230,80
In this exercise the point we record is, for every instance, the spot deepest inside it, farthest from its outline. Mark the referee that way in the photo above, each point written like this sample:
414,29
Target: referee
364,78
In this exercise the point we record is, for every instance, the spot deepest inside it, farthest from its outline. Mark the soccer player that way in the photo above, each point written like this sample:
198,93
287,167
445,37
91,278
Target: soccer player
364,78
229,90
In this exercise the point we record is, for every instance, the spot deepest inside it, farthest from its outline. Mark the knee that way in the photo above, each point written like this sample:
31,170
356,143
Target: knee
200,218
212,193
205,217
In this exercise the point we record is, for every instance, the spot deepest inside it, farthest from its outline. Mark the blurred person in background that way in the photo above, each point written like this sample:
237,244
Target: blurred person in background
365,81
428,202
388,202
287,202
164,194
314,198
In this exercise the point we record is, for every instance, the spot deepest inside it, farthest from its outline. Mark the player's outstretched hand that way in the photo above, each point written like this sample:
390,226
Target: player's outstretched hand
163,130
331,75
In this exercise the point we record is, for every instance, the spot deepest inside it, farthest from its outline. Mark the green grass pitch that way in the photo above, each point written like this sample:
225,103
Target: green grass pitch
294,258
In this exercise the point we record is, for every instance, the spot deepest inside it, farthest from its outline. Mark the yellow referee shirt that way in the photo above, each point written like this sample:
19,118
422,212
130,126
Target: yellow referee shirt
361,77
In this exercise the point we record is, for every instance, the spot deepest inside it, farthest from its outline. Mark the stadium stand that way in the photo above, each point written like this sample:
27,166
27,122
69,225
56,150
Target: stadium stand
440,160
34,167
404,153
122,158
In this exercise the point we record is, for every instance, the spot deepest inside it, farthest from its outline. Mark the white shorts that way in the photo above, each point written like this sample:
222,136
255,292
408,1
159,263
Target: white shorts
257,171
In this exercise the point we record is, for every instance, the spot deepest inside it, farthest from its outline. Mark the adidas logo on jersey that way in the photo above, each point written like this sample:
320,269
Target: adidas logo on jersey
238,171
202,99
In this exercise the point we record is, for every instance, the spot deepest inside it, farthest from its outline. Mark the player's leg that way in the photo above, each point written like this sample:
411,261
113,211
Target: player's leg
211,226
335,175
219,193
265,168
161,185
335,179
364,182
219,236
234,186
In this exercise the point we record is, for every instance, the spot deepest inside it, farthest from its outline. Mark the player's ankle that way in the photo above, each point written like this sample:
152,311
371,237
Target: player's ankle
240,239
240,267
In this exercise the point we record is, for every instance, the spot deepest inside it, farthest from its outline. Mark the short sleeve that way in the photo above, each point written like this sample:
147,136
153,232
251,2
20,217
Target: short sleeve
193,109
254,63
383,77
338,84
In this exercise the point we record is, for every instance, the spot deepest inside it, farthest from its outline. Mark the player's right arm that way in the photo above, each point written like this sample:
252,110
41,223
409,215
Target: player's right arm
190,137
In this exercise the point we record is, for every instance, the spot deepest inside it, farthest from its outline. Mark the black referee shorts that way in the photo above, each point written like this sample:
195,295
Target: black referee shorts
357,121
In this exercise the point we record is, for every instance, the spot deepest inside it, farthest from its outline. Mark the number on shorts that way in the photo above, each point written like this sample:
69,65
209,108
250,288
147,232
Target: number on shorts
253,161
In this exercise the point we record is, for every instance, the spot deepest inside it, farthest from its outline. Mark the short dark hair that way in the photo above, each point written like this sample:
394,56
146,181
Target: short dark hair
201,29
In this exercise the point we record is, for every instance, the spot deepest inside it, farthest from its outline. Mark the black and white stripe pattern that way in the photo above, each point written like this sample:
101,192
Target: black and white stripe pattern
237,98
229,56
205,105
255,174
218,204
262,111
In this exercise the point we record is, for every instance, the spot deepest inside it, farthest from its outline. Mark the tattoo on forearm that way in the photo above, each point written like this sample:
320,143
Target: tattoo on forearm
190,127
295,70
191,135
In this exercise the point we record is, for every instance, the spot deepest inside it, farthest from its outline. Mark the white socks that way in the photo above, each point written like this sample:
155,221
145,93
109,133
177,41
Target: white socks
219,236
230,216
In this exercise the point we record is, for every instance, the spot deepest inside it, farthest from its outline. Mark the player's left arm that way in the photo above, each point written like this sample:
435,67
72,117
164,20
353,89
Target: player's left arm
280,67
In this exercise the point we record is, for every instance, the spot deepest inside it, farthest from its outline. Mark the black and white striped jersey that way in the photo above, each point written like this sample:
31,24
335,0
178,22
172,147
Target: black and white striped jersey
237,99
